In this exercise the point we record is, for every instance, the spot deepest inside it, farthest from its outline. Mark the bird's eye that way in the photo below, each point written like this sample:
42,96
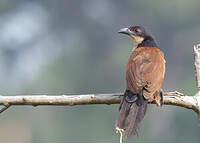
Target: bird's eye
136,30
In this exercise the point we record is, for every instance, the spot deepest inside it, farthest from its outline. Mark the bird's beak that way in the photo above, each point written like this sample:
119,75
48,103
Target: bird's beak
125,31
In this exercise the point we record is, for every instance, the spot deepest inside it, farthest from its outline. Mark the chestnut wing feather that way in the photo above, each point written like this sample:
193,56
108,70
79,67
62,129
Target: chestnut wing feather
145,68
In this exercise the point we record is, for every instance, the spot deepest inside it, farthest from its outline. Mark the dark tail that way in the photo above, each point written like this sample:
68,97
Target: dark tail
131,113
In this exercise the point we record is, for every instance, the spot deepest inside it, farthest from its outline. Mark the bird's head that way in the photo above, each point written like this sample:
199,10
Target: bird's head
138,34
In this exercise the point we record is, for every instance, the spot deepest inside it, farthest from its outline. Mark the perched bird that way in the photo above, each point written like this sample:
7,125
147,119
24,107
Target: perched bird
144,76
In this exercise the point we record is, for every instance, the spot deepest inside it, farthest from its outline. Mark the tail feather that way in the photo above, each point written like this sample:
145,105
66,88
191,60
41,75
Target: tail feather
130,116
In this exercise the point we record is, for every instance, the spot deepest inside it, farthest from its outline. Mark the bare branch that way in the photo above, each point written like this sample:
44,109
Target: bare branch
197,64
170,98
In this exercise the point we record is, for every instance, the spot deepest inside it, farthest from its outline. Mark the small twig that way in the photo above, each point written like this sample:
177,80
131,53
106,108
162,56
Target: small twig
5,108
120,131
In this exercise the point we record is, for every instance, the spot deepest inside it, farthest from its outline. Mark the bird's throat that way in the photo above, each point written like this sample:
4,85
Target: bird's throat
136,41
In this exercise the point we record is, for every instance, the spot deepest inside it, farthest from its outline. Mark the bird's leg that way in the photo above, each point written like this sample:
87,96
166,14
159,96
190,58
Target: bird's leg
130,97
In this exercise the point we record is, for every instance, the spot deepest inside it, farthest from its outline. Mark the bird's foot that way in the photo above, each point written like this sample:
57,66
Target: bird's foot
159,98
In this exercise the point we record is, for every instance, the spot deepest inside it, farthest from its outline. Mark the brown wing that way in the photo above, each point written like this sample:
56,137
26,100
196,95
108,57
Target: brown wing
145,68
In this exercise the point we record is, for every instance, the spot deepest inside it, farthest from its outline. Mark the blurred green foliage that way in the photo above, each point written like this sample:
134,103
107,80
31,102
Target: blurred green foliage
82,53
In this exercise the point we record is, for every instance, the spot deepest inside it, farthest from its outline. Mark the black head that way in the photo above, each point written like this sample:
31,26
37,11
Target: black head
139,36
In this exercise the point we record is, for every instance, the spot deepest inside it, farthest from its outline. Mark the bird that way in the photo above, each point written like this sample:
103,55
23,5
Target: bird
145,72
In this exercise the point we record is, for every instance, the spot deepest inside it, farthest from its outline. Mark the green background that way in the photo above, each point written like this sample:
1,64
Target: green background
72,46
